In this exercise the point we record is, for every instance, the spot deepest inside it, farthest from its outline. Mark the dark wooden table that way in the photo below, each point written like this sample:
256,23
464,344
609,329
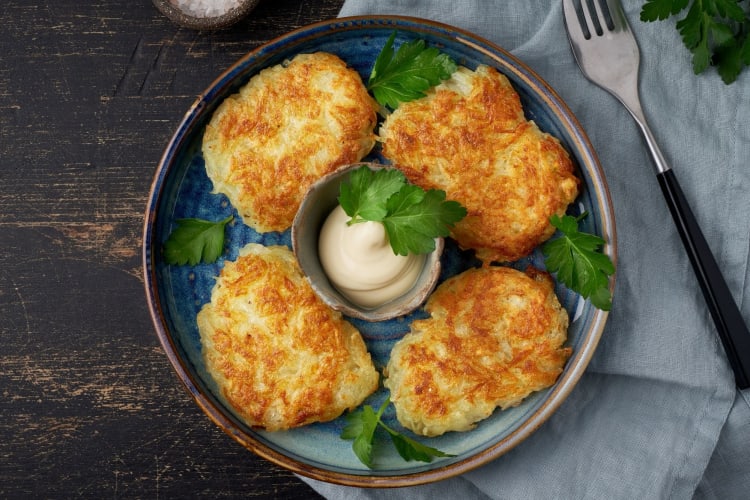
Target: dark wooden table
90,93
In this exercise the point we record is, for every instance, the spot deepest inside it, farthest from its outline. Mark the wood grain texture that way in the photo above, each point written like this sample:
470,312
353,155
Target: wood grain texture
90,92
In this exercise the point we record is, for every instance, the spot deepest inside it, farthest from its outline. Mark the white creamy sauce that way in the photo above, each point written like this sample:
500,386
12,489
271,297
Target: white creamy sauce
360,262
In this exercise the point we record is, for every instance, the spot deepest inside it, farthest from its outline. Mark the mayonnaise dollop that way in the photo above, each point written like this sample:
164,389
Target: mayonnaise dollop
360,262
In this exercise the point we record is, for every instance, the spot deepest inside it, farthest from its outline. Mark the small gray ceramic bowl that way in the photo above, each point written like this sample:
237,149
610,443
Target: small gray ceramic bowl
182,18
318,202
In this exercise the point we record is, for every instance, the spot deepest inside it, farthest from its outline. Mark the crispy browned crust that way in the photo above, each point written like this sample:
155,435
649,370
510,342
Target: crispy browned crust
280,357
469,137
290,125
495,335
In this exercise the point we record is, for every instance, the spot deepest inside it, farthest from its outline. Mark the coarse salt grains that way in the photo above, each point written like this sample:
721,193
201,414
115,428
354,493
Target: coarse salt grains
205,8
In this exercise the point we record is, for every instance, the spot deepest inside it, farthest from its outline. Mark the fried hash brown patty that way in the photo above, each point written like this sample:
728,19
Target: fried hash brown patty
288,126
281,358
495,335
469,137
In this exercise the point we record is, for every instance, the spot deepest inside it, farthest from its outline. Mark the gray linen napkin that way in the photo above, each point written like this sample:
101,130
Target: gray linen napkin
657,414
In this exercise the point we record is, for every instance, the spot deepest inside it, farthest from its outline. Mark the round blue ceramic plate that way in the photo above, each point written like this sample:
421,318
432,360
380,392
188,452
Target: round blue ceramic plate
175,294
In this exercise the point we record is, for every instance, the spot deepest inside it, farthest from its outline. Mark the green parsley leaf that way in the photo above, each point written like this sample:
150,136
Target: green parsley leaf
730,9
365,194
661,9
410,449
361,427
722,34
575,259
729,61
691,28
416,217
195,241
717,32
412,217
406,74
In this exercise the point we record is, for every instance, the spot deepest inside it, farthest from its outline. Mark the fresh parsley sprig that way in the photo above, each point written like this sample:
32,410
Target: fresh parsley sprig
405,75
717,32
361,426
195,241
412,217
575,259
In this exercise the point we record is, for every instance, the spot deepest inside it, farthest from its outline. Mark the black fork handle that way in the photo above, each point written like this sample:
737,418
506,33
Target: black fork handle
730,325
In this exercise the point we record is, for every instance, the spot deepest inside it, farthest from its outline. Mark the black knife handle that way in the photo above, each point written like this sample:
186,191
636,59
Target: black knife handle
726,315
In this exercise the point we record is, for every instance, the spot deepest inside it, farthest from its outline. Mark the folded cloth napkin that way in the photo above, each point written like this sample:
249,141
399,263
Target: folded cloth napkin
657,414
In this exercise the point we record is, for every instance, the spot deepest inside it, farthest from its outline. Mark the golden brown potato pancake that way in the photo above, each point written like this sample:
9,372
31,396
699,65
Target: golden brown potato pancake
288,126
495,335
469,137
280,357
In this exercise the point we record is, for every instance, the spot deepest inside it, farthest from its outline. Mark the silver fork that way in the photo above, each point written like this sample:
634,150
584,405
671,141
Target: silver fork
607,53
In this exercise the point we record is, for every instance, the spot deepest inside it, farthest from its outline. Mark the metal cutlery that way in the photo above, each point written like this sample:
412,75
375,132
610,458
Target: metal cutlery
607,53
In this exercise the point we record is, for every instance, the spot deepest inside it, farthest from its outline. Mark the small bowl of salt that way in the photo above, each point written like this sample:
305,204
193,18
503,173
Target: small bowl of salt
205,14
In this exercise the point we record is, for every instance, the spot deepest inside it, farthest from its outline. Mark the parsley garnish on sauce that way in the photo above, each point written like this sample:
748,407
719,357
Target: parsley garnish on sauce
361,426
412,217
405,75
195,241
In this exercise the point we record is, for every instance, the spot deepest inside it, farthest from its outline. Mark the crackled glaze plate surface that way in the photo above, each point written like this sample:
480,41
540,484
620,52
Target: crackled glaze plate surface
181,189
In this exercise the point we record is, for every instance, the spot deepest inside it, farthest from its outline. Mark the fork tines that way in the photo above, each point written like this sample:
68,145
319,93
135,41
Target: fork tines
595,17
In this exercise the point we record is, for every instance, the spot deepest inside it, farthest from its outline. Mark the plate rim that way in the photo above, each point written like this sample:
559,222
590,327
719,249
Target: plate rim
568,379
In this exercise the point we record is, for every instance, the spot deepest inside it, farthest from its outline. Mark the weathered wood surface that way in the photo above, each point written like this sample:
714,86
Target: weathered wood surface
90,92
